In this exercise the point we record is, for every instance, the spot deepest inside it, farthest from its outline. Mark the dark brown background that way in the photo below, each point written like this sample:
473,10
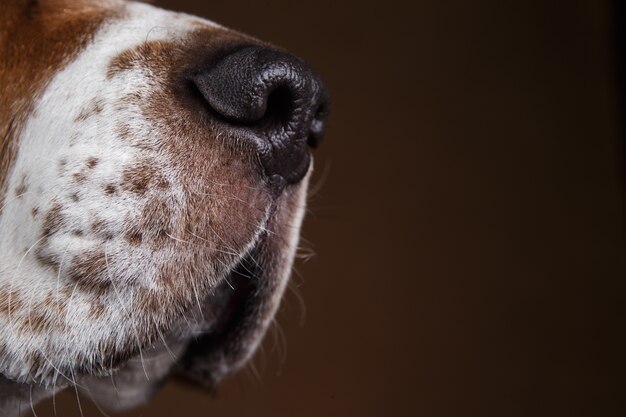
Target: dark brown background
470,229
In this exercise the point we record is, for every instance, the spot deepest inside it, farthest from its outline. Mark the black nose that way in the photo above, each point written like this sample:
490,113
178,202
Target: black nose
274,96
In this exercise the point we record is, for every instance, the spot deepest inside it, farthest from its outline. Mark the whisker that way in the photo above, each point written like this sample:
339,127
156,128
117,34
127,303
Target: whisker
282,345
172,355
54,395
80,408
117,393
195,293
94,402
315,188
295,291
32,407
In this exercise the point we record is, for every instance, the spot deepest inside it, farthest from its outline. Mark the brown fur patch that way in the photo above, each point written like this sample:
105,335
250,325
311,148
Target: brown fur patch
36,39
155,53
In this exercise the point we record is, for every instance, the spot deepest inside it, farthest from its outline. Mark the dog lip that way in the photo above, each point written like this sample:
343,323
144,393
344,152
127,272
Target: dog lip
276,184
232,306
234,292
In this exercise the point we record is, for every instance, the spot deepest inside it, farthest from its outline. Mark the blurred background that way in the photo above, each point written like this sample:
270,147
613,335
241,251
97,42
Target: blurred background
467,218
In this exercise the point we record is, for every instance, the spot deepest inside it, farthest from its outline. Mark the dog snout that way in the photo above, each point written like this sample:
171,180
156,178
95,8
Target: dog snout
275,100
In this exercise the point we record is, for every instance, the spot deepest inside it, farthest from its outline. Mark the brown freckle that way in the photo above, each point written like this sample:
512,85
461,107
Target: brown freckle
74,197
162,183
101,229
46,259
134,237
79,177
51,303
21,189
88,271
92,162
10,301
53,219
136,179
34,211
77,232
110,189
38,321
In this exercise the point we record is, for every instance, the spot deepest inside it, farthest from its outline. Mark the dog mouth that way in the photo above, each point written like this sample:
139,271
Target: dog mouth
232,313
240,308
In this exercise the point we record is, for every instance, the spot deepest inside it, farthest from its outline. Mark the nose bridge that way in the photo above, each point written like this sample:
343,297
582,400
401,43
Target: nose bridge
276,98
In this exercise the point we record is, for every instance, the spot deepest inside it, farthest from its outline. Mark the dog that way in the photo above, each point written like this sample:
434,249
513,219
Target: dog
153,180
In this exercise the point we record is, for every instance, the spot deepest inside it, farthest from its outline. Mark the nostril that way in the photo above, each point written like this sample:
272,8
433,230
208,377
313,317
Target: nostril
254,85
318,125
279,107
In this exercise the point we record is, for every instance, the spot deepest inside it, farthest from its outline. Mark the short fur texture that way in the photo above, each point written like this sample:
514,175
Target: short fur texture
131,225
